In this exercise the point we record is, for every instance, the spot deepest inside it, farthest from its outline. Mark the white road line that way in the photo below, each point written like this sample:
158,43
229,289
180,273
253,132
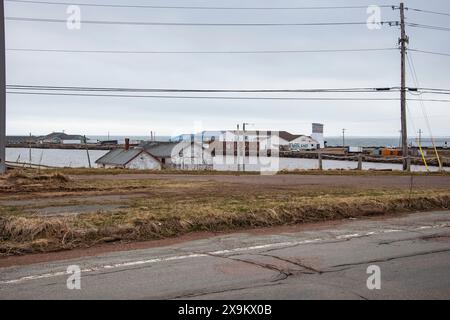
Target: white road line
218,253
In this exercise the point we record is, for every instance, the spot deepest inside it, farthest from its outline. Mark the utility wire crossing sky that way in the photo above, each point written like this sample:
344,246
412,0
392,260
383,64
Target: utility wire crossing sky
91,80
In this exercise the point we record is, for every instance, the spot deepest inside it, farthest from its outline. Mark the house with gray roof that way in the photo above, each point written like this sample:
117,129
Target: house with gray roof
129,159
180,155
153,155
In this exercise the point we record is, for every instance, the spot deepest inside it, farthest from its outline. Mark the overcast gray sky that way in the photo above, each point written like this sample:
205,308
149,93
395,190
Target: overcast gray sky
138,116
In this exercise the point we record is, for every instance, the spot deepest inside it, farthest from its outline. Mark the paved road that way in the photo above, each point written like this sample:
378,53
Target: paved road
330,262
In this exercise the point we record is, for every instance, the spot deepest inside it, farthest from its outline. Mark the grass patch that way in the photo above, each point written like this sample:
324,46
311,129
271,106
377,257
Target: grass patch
24,177
158,217
160,208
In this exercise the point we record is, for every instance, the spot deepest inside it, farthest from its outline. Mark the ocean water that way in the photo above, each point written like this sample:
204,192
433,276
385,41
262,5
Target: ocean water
54,157
78,159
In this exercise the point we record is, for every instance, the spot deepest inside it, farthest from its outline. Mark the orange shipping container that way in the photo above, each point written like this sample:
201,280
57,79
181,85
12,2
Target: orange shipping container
391,152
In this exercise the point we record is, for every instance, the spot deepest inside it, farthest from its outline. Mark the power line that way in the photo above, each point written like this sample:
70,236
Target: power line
217,97
176,90
424,26
430,90
429,11
148,23
218,52
191,7
424,109
201,52
430,52
200,97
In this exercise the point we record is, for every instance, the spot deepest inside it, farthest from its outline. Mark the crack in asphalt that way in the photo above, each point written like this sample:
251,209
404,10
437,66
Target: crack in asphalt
390,258
194,295
297,263
399,240
283,274
437,236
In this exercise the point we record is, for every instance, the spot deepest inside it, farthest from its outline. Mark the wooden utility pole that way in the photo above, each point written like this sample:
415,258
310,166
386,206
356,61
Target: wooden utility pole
343,137
244,155
2,91
403,41
87,152
244,128
238,153
29,150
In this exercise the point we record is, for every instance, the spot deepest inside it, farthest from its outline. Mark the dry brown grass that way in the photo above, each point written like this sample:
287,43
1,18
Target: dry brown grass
164,208
23,177
151,219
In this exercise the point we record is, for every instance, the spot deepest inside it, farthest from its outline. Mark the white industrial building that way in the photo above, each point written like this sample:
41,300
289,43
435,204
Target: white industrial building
266,140
317,134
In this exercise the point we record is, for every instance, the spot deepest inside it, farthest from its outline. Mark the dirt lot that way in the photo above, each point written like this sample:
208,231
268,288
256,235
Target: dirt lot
42,212
342,179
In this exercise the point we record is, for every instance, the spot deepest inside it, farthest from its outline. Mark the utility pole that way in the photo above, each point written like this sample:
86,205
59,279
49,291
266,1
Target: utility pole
420,137
244,155
29,151
403,41
343,137
245,146
244,125
2,91
87,152
237,149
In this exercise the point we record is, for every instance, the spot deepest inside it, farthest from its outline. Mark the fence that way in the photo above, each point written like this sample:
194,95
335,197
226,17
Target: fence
363,158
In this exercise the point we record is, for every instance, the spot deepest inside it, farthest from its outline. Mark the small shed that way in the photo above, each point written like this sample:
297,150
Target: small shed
129,159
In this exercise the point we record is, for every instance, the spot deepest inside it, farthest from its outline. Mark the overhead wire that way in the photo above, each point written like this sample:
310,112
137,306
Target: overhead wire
189,7
428,11
215,97
201,52
424,26
212,24
424,110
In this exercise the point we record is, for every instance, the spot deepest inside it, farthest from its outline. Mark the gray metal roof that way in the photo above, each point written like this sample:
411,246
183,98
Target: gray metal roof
160,149
119,157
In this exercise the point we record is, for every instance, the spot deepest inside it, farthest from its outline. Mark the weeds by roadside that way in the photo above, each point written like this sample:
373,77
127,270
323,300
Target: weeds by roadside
151,219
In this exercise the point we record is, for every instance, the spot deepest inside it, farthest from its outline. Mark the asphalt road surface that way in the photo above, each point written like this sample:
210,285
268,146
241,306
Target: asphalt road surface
328,261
